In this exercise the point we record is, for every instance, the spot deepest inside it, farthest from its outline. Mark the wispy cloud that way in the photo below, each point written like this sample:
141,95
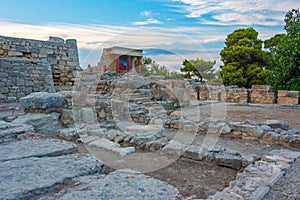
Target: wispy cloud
146,13
147,21
150,18
233,12
175,44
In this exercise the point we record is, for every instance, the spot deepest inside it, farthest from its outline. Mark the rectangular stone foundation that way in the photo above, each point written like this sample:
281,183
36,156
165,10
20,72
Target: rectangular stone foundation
288,97
263,94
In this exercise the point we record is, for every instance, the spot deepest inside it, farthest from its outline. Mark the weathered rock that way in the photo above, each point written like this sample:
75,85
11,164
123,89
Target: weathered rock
288,97
277,124
40,121
10,131
35,148
112,146
9,118
119,139
270,138
88,139
88,115
68,134
248,131
292,155
156,144
67,117
29,177
255,181
195,153
43,101
295,143
175,147
228,160
2,97
120,184
177,114
112,134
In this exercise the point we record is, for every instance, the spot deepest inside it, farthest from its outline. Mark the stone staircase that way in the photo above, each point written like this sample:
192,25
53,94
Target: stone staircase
130,97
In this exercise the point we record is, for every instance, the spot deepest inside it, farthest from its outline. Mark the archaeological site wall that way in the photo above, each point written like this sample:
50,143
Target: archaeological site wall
33,65
259,94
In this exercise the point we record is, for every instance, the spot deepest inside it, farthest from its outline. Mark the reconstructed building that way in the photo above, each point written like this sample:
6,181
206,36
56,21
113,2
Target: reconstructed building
121,59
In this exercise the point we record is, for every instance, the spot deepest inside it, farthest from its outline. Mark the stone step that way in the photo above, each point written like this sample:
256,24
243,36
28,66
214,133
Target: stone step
10,131
150,104
30,177
35,148
108,126
106,144
141,99
120,184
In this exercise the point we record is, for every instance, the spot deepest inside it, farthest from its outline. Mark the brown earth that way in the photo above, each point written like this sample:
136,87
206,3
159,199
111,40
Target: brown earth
194,178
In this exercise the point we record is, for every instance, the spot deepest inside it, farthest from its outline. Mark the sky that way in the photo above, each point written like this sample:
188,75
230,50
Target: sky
168,31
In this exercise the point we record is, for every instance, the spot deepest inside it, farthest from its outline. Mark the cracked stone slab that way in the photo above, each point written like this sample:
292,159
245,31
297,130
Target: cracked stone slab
292,155
175,147
106,144
35,148
40,121
10,132
29,177
120,184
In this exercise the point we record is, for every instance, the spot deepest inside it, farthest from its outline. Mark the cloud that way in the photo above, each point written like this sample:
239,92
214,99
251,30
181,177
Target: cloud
233,12
146,13
173,43
148,21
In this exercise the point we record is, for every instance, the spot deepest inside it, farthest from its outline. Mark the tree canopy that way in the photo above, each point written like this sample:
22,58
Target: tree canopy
244,59
150,67
198,69
286,74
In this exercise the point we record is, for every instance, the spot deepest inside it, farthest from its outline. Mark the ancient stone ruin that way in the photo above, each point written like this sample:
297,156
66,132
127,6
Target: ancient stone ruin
92,134
33,66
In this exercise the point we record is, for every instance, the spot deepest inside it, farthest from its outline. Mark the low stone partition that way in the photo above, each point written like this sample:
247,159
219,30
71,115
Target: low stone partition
270,132
288,97
235,95
258,178
262,94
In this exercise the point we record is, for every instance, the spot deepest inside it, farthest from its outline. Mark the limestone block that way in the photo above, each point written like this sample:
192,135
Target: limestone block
67,117
34,176
88,115
248,130
112,146
35,148
69,134
40,121
15,54
43,100
277,124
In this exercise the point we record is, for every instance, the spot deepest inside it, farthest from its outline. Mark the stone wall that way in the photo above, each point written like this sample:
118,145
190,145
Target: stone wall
179,91
288,97
20,77
236,95
263,94
62,56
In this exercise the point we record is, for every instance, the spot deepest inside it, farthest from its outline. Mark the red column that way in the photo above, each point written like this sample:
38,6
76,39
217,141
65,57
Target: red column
128,63
139,66
117,63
